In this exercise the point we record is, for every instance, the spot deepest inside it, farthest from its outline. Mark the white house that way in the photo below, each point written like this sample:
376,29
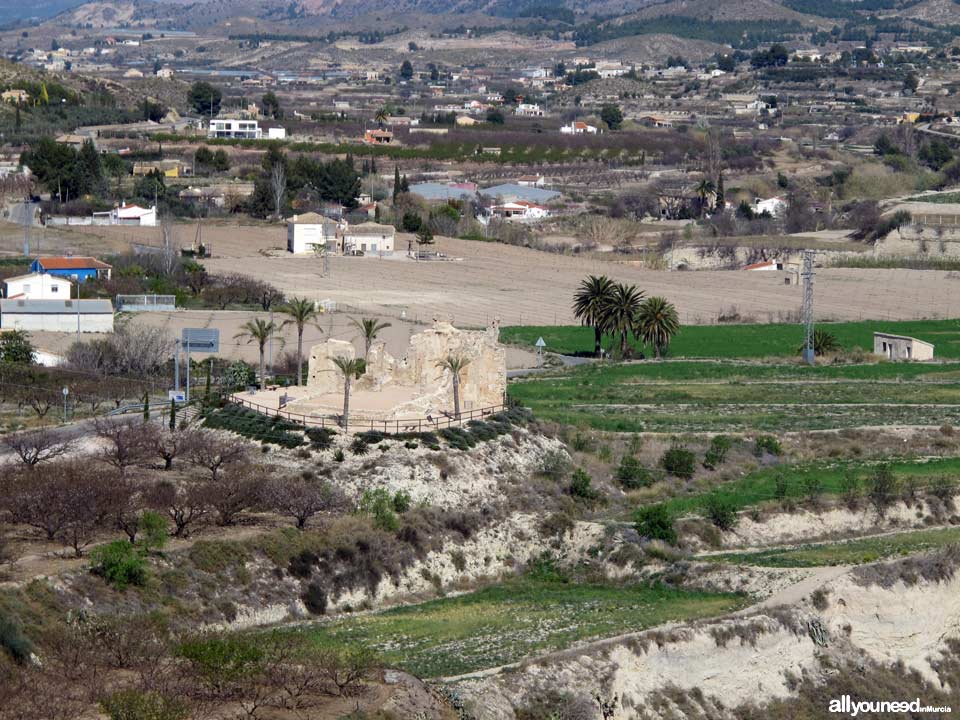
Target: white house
774,206
764,266
56,315
529,110
311,232
520,210
531,181
369,238
578,128
235,129
134,215
38,286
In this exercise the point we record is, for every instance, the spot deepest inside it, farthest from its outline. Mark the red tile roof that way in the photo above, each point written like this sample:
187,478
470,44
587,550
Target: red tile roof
71,263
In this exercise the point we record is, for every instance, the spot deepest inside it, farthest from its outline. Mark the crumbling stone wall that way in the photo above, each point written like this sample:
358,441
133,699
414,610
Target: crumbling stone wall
482,383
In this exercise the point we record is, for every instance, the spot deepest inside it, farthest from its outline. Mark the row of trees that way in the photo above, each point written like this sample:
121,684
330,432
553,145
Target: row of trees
75,500
621,310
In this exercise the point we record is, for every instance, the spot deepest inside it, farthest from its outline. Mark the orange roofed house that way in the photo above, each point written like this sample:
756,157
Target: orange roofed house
76,268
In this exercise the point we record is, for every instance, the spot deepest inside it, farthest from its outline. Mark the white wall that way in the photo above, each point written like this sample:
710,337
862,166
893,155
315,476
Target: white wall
59,322
366,242
301,237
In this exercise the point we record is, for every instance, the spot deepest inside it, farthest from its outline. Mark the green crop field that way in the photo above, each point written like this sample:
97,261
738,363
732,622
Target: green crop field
508,622
851,552
747,341
761,486
689,396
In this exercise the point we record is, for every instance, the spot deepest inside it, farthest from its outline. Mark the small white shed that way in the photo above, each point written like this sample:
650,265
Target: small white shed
901,347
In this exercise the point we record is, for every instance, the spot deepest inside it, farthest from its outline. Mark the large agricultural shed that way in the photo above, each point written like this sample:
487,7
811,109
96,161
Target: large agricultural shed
56,315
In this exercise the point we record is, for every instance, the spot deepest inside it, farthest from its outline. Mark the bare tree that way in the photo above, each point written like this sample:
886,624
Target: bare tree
278,185
35,499
88,498
301,499
214,453
170,444
128,442
185,504
36,446
168,258
232,493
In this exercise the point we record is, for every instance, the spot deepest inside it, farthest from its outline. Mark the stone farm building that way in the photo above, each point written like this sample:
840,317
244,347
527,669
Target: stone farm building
901,347
369,238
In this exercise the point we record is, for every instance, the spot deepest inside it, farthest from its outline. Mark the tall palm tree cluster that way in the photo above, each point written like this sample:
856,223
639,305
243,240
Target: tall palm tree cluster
620,310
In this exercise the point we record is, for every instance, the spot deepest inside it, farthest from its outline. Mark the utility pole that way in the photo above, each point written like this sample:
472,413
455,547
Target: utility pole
78,308
176,367
27,222
807,310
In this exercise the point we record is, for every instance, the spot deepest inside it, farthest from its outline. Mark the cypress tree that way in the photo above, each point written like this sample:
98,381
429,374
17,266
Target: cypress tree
173,415
396,182
146,406
720,198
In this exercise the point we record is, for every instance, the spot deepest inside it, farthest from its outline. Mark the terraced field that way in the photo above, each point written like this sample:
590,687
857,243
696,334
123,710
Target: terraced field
685,396
508,622
851,552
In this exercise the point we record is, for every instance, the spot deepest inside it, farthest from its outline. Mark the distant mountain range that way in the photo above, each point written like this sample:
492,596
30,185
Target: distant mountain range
740,23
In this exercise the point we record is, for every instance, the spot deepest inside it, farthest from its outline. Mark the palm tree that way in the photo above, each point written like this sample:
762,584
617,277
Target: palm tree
381,116
455,364
704,188
620,312
657,323
301,312
259,331
589,303
351,368
369,330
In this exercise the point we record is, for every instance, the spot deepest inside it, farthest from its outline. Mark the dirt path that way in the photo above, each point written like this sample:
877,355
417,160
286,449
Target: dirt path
796,593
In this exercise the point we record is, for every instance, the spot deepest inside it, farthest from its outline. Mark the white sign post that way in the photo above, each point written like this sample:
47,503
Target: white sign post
540,345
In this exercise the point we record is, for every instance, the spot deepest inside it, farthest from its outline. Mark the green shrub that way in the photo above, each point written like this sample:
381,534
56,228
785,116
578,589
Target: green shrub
322,437
721,512
581,485
679,461
631,474
850,489
655,522
781,486
379,505
12,639
338,456
315,599
137,705
766,444
120,563
882,489
223,659
401,501
154,531
717,452
459,560
358,446
812,485
556,465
